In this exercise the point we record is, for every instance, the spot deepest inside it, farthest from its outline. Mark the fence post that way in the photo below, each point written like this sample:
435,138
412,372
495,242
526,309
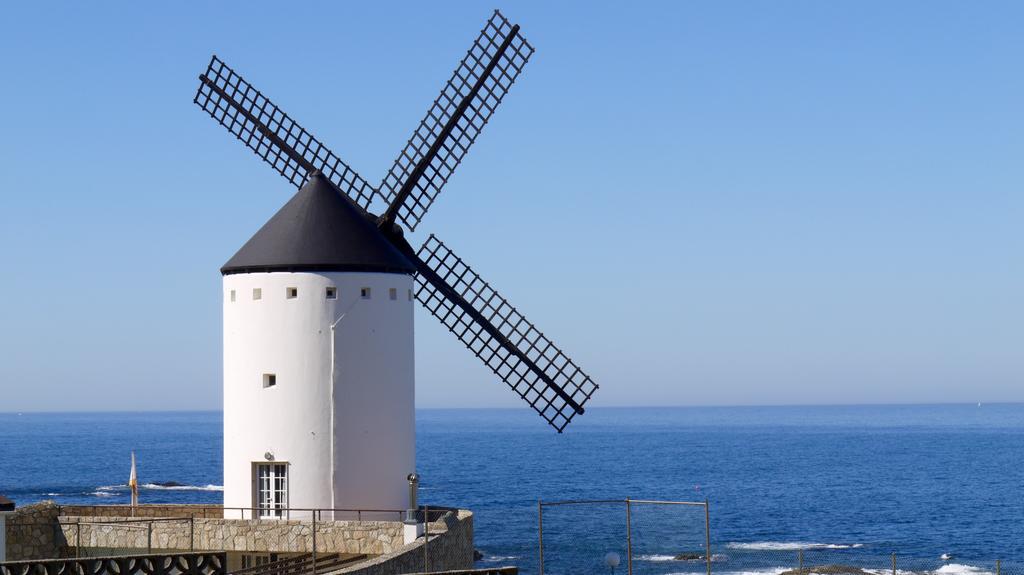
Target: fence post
149,538
192,533
707,534
800,560
629,540
426,536
894,563
78,538
999,567
314,542
540,534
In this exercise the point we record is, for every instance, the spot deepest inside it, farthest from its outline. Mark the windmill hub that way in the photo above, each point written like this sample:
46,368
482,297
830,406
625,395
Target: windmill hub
391,229
318,312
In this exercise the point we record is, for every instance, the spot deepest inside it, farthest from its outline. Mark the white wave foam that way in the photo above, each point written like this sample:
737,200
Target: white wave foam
102,494
158,487
765,571
960,569
496,558
656,557
182,487
789,546
888,571
715,557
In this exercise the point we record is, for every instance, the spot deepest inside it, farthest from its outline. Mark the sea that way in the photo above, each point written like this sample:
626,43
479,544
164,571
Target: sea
939,486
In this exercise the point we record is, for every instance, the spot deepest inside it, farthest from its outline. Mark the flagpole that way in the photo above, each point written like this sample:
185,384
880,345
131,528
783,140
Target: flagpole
133,483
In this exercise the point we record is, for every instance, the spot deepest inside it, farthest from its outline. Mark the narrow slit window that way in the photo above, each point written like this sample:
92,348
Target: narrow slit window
332,293
257,293
292,293
364,293
410,295
269,380
232,295
393,294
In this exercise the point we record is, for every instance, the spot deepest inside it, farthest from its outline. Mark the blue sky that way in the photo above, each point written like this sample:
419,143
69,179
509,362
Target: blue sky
701,202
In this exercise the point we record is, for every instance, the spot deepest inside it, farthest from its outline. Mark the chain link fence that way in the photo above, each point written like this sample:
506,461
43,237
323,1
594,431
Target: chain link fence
792,559
645,537
575,536
754,559
630,535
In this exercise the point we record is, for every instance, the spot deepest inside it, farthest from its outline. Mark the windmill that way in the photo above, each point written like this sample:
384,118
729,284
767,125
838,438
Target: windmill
367,226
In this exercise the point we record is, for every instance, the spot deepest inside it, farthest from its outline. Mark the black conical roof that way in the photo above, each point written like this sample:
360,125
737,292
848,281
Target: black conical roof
319,229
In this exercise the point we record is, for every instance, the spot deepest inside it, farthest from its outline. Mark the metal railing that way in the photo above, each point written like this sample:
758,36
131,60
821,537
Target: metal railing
222,512
161,564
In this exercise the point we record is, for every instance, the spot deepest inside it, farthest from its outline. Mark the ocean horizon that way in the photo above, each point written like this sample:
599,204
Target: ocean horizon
842,482
589,409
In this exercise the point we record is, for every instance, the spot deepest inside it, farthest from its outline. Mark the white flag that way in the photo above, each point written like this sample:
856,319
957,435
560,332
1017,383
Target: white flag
133,483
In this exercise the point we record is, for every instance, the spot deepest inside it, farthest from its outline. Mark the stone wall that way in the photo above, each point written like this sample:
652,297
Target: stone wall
449,548
148,510
39,532
32,533
272,535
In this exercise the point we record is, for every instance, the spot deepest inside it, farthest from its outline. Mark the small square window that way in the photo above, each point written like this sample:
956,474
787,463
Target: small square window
332,293
364,293
269,380
393,294
292,293
232,295
257,293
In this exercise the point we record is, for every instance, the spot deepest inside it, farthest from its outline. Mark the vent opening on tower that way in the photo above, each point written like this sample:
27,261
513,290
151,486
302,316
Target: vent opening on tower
364,293
393,294
269,380
291,293
257,293
332,293
232,295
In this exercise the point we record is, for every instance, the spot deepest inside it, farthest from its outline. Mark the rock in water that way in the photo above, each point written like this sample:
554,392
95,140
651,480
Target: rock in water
689,557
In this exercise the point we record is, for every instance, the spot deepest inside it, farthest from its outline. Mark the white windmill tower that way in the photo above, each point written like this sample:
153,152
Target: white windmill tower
318,362
318,319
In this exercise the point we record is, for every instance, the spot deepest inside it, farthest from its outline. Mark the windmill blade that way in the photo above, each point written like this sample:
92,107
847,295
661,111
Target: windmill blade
272,134
452,124
500,336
